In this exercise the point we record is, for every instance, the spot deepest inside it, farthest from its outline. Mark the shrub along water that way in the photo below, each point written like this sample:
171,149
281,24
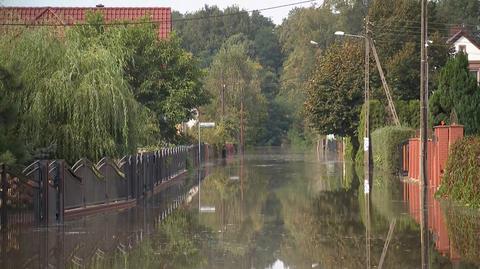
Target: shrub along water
408,113
385,147
461,181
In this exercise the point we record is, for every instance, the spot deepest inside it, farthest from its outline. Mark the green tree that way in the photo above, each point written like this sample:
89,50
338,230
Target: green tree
11,148
295,33
204,37
459,11
457,92
95,91
335,91
394,24
163,76
233,72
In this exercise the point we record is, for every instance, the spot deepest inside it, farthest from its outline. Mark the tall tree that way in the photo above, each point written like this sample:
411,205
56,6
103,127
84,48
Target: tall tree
163,76
457,93
295,34
235,73
203,32
459,11
335,90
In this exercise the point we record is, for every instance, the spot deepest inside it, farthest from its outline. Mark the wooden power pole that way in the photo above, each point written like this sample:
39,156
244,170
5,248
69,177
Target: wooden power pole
366,139
423,140
386,88
242,124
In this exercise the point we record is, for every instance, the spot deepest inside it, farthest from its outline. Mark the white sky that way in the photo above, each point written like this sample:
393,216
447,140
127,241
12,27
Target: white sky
277,15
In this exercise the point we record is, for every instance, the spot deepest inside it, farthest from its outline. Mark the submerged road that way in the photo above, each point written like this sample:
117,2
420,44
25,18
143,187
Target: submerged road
273,208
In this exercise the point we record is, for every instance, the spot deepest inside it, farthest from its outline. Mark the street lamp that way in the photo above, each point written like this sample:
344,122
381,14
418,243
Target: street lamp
341,33
366,139
313,43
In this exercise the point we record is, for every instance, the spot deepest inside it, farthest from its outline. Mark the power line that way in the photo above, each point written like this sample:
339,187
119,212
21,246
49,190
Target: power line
162,21
439,23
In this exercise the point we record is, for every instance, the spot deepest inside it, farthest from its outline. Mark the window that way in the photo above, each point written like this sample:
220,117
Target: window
462,48
474,73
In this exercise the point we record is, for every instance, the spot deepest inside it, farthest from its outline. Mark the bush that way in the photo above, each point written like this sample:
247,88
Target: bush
461,181
385,147
408,112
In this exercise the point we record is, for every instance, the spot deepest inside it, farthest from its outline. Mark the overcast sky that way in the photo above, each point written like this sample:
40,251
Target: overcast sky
277,15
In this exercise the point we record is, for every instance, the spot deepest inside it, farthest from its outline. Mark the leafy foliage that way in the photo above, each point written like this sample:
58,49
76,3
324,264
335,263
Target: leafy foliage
164,77
385,147
395,23
295,33
335,91
95,91
457,92
408,113
459,12
462,173
11,148
235,74
206,38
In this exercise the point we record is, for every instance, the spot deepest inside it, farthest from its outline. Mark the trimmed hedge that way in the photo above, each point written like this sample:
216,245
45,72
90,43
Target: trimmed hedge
385,147
408,113
461,181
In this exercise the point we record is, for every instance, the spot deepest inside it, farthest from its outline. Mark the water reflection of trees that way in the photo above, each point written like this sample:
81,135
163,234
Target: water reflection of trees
329,228
278,212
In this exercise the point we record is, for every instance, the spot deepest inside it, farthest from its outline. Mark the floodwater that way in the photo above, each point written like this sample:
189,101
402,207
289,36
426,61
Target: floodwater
274,208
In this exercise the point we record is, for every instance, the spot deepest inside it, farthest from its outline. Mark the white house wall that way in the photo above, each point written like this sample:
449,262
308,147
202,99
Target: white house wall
472,51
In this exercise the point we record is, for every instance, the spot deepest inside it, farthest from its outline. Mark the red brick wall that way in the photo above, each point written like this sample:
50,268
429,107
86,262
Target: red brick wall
442,137
437,153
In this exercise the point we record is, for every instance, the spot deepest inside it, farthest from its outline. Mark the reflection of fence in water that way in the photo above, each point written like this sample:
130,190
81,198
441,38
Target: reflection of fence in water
47,191
73,245
436,217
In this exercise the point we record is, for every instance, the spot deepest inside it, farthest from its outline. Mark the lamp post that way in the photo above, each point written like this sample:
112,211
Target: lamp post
366,138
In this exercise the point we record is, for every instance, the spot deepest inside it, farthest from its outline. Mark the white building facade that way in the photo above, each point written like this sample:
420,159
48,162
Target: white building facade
463,41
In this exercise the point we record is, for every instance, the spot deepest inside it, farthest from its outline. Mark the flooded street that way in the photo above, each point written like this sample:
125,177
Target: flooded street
274,208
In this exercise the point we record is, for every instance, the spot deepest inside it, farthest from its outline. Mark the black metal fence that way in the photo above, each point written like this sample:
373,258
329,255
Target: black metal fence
45,191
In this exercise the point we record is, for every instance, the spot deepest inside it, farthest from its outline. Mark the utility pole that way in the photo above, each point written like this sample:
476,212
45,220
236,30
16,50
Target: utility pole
423,140
386,88
223,100
242,127
366,139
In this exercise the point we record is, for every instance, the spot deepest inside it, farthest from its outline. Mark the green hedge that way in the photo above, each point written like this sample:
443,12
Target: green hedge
461,181
408,112
385,147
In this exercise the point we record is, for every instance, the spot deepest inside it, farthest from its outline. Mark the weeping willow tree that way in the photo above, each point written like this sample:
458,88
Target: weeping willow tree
76,103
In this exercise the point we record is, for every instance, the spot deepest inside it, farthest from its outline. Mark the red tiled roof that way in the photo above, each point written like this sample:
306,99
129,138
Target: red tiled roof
73,15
